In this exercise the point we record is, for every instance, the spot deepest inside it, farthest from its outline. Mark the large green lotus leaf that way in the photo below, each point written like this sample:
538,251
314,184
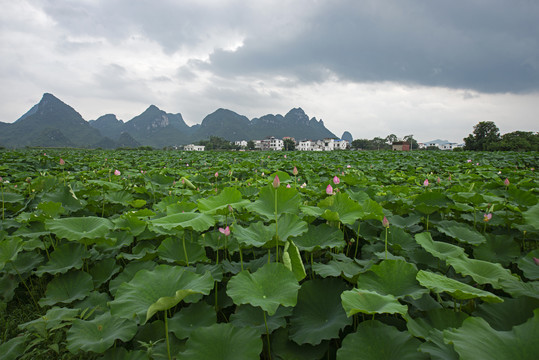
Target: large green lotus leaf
318,314
66,197
521,197
341,208
437,319
189,220
430,202
128,273
531,216
66,288
461,232
12,198
78,228
190,318
270,286
516,287
477,340
370,208
290,225
119,197
369,302
14,348
183,252
436,347
50,209
292,260
401,241
337,268
284,349
503,316
25,262
319,237
102,271
159,289
288,201
392,277
8,284
99,334
251,316
502,249
440,283
374,340
439,249
256,234
223,342
65,257
120,353
131,223
483,272
528,265
9,249
219,203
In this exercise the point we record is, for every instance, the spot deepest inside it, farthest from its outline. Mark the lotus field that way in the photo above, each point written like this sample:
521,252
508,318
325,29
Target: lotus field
269,255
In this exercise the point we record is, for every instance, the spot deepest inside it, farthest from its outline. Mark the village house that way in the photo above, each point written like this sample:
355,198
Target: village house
400,146
192,147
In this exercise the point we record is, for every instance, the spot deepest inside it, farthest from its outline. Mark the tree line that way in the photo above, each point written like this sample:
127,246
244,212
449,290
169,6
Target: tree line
486,137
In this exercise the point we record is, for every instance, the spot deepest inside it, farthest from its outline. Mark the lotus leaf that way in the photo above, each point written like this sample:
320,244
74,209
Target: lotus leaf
477,340
341,208
104,270
13,348
285,349
531,216
502,249
9,248
253,317
159,289
440,283
181,251
483,272
319,237
129,272
503,316
369,302
64,258
288,201
437,248
318,314
66,288
219,203
374,340
189,220
79,228
223,342
270,286
99,334
392,277
461,232
292,260
529,266
190,318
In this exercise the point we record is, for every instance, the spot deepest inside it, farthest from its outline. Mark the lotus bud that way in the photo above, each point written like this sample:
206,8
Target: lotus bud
385,222
276,182
117,172
336,180
295,171
506,182
225,231
329,190
426,182
62,162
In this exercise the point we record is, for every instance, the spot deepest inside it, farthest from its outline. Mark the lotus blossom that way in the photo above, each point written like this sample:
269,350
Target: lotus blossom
426,182
225,231
216,174
336,180
329,190
62,162
288,186
117,172
348,166
385,222
304,185
536,261
487,217
469,160
295,171
285,156
506,182
276,182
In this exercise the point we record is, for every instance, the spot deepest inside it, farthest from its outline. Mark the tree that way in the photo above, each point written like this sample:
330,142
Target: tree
410,140
485,135
250,145
289,144
390,139
518,141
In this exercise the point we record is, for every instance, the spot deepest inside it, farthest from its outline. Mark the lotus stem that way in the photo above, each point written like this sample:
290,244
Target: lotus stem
166,335
185,250
386,240
26,286
267,334
2,186
276,231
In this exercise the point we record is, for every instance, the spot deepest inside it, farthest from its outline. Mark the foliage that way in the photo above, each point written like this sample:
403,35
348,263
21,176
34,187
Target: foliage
217,143
485,135
208,255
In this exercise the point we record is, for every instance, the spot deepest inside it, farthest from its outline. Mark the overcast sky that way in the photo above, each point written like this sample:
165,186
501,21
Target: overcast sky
431,68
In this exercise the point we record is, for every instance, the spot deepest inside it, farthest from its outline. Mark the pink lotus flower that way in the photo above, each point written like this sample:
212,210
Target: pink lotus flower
276,182
62,162
487,217
329,190
285,156
385,222
117,172
506,182
225,231
288,186
295,171
536,261
469,160
336,180
426,182
348,166
216,174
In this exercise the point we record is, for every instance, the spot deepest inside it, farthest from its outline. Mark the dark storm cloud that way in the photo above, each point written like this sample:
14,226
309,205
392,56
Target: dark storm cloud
488,46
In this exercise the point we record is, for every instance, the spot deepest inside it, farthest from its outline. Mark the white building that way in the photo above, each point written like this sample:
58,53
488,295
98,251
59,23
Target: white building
192,147
440,144
241,143
328,144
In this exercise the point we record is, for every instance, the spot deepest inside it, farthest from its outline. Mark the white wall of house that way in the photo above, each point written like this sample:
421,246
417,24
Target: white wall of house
192,147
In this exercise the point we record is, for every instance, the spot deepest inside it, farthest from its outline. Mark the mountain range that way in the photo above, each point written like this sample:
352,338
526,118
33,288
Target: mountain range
52,123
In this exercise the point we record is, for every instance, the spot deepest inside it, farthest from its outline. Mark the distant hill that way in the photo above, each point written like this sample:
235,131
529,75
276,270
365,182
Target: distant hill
54,123
50,123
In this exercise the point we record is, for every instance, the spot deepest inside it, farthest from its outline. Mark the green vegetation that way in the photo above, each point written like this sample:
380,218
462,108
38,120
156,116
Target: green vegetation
486,137
252,255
